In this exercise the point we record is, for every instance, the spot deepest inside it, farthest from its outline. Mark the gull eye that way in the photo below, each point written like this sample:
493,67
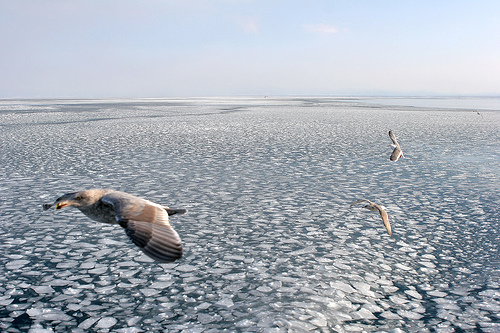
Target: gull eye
78,198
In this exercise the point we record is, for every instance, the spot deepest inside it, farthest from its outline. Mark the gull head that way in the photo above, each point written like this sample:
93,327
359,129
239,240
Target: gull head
76,199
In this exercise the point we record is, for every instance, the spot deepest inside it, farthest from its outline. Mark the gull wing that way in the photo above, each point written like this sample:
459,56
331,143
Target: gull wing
360,200
396,154
393,138
385,219
146,224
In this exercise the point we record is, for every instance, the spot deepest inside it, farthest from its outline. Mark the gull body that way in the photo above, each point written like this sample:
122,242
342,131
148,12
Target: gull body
146,223
381,209
397,152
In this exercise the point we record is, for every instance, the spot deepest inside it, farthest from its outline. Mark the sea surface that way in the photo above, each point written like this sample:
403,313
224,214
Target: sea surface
270,242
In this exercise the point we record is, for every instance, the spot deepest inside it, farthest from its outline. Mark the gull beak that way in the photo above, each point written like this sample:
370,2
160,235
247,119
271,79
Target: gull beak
58,205
62,204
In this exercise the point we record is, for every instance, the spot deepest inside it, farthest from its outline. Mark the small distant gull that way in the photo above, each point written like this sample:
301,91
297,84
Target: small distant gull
397,152
381,209
145,222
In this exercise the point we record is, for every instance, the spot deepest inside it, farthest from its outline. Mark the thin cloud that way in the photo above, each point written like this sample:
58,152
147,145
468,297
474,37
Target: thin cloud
320,28
249,24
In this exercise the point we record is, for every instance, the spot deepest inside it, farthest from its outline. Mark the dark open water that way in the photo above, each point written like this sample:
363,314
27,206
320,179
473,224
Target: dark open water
271,244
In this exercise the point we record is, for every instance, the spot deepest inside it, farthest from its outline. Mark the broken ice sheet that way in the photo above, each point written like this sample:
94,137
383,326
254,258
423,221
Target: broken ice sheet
269,241
48,314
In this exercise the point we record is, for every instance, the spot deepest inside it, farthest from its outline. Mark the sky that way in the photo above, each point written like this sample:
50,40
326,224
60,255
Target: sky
196,48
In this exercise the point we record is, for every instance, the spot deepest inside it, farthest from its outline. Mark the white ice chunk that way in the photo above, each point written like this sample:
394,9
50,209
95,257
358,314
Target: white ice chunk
353,328
203,306
87,323
385,267
149,292
204,318
6,300
372,307
43,289
410,314
127,263
161,284
413,293
134,320
264,289
390,315
88,264
48,314
234,257
429,256
235,276
436,293
403,267
128,330
363,288
320,322
427,264
106,322
245,323
363,313
398,300
99,270
59,282
15,264
390,289
225,303
343,286
308,249
37,328
186,268
490,293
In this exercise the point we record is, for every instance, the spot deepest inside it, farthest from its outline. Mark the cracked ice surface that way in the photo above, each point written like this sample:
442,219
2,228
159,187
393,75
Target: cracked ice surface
270,242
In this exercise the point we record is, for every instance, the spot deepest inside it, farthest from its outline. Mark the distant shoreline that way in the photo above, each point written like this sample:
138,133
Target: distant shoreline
484,103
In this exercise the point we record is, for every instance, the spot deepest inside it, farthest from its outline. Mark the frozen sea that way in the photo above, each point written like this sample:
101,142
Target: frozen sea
270,242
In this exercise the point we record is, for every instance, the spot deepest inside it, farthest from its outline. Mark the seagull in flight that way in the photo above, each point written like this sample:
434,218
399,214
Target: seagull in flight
397,152
145,222
381,209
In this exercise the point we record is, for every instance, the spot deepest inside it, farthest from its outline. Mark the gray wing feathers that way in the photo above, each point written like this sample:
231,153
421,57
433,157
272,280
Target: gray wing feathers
159,242
146,224
385,219
360,200
396,154
393,138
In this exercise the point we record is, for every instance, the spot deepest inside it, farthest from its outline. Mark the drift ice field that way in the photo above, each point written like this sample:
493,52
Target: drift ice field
270,242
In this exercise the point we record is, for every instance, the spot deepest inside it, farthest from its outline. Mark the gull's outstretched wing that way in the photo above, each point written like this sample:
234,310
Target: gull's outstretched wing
360,200
146,224
385,218
393,138
396,154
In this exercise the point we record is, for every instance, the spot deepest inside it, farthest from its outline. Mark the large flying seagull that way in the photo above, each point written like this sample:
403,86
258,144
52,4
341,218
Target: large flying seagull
145,222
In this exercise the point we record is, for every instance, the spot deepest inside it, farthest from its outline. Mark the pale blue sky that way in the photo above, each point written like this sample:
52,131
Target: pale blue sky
163,48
